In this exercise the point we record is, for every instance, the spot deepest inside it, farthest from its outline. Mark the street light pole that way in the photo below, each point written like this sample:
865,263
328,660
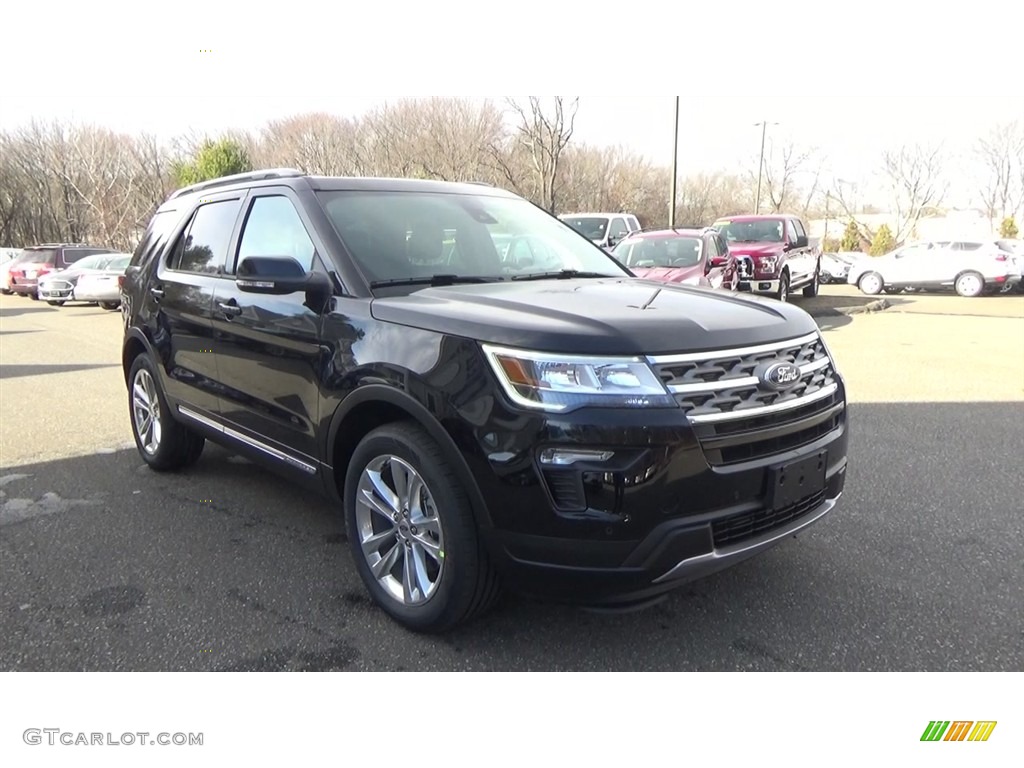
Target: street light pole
675,170
760,167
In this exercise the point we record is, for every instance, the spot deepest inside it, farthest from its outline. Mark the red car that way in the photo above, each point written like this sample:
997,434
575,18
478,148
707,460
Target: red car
686,256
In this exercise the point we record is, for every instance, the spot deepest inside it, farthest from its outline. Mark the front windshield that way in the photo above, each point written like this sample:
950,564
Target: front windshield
649,252
409,235
757,231
591,227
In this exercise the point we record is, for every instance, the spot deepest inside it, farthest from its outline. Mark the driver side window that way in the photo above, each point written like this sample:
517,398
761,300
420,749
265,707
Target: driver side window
618,229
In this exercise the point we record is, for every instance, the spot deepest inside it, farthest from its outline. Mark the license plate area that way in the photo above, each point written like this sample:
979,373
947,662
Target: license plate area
789,483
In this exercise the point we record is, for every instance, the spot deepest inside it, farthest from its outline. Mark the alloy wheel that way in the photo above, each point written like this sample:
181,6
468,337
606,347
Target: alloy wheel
400,533
146,412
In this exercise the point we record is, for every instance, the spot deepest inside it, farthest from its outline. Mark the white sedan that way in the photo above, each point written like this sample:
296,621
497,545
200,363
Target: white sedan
103,285
968,267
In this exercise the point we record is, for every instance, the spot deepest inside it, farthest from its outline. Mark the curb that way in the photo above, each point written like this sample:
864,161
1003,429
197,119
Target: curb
872,306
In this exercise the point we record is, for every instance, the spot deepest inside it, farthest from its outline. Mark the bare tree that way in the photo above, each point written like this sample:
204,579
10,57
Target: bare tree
544,135
316,143
789,172
1000,156
914,177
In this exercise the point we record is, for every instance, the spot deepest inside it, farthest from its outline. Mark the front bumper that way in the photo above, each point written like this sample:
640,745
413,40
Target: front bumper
675,501
757,285
61,291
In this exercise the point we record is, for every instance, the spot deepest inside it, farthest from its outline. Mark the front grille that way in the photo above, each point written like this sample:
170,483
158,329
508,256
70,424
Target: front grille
740,528
736,418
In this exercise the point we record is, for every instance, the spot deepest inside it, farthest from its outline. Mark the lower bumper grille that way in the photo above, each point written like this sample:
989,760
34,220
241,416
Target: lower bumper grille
740,528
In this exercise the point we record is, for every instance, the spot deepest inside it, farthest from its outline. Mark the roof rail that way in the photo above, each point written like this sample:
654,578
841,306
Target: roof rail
268,173
481,183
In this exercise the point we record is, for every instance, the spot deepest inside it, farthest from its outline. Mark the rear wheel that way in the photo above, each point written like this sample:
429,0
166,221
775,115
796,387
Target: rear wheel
412,531
810,291
970,284
871,284
163,443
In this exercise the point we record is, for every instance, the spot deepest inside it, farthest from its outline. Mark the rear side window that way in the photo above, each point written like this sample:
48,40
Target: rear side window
204,247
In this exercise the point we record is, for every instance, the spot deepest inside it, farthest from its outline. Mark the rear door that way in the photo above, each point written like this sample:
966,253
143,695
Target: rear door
268,350
182,291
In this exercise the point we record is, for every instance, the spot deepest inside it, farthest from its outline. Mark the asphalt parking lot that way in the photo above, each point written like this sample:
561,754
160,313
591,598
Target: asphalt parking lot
108,566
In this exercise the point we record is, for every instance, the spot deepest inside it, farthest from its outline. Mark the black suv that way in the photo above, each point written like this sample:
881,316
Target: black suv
574,433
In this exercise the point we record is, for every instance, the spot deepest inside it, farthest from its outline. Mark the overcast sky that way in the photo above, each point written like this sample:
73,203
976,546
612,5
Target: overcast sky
849,86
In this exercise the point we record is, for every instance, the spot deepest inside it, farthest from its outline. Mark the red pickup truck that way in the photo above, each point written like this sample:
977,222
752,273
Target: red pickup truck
774,255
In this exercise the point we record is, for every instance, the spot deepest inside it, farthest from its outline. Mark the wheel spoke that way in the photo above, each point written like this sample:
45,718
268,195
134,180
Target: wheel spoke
408,576
414,494
400,477
383,491
427,525
371,544
428,546
370,500
382,567
420,578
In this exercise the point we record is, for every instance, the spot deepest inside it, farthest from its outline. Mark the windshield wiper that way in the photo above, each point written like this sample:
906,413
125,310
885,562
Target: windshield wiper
434,280
562,274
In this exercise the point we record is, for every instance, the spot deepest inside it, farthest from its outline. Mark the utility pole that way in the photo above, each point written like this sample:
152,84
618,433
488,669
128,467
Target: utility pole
760,165
824,237
675,170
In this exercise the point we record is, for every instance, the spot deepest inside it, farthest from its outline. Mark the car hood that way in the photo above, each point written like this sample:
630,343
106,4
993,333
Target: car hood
628,316
755,249
689,275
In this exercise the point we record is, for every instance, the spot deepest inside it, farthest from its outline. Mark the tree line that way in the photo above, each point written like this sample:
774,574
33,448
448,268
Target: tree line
86,183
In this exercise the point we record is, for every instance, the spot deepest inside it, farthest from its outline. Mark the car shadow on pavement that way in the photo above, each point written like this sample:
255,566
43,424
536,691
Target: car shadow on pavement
15,311
108,565
17,371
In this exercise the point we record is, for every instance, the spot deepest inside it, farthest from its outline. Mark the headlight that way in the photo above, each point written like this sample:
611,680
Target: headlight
562,382
766,263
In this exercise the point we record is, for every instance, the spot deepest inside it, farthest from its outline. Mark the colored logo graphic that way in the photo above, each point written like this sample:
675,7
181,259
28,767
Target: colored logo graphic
958,730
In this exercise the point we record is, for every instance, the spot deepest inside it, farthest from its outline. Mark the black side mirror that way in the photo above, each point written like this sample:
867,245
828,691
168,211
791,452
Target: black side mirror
282,275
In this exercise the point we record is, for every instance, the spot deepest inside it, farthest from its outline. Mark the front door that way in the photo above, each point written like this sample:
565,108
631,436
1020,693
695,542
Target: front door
268,347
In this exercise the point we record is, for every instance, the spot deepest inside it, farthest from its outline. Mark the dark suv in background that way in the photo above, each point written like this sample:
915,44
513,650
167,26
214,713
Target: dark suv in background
574,433
39,260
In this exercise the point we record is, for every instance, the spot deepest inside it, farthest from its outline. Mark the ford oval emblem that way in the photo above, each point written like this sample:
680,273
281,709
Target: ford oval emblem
780,375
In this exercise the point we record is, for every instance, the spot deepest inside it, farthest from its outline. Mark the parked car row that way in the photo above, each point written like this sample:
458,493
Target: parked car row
61,272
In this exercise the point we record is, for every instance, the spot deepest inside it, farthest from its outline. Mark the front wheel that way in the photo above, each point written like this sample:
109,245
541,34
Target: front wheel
163,443
970,284
412,531
55,303
110,306
783,293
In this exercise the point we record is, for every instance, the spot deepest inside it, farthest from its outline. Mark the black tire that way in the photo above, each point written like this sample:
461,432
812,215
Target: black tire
871,287
55,303
783,293
969,284
110,306
35,296
177,447
466,583
810,291
825,277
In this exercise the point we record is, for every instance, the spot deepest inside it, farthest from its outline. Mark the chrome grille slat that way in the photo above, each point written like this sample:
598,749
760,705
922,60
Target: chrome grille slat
722,395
